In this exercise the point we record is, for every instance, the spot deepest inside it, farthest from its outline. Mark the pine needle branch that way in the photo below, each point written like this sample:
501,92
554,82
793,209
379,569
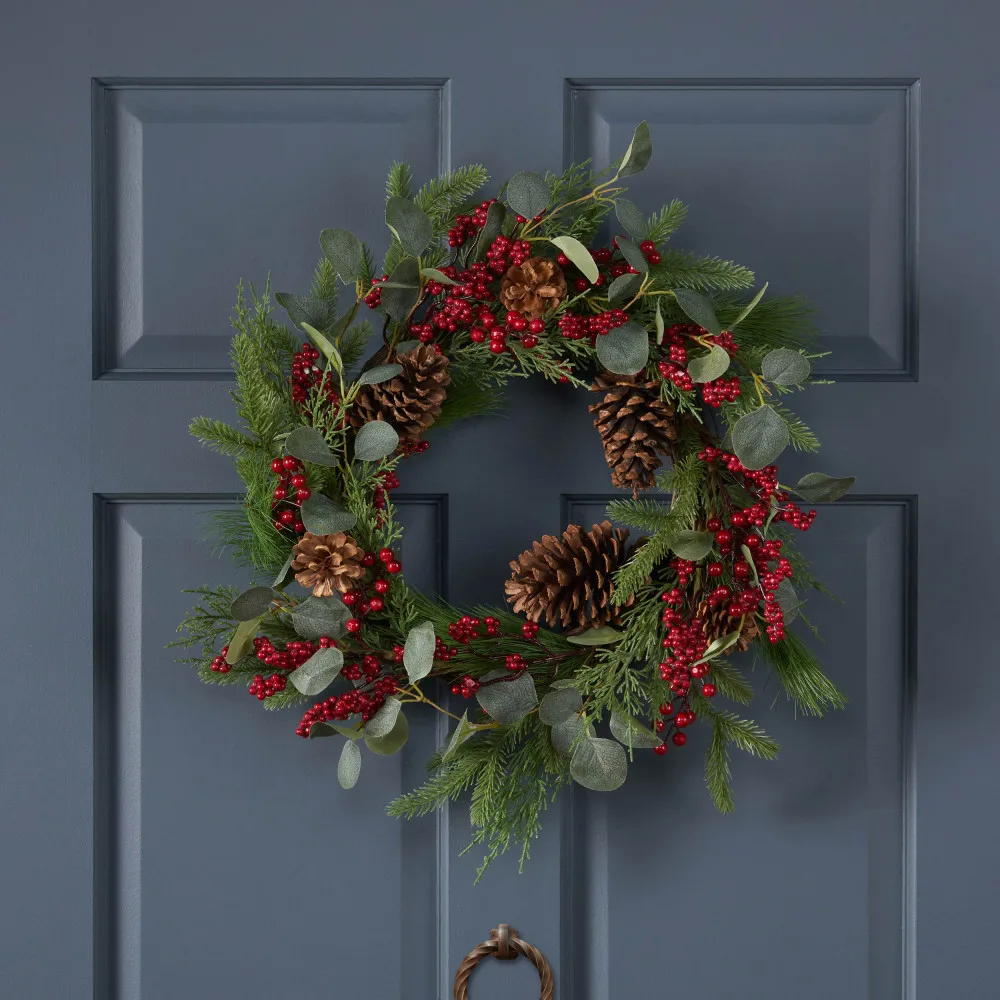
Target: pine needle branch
683,270
800,675
666,222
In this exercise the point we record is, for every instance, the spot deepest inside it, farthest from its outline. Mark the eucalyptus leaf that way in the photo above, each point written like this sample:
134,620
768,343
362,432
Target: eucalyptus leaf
561,683
439,276
306,309
252,603
375,440
759,437
708,367
321,729
410,225
384,720
507,700
322,516
633,255
579,255
785,367
528,194
624,288
599,764
631,217
748,308
603,635
819,488
316,617
693,545
402,291
560,705
286,574
405,346
625,350
318,672
380,373
639,152
630,732
344,251
418,651
698,308
462,732
748,556
393,741
565,734
329,351
788,601
495,215
308,445
719,646
241,643
658,320
349,765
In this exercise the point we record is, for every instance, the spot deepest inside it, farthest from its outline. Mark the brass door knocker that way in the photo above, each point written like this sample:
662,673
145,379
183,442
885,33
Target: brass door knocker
504,944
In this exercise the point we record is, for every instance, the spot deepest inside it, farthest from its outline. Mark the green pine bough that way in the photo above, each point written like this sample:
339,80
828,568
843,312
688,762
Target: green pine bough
471,295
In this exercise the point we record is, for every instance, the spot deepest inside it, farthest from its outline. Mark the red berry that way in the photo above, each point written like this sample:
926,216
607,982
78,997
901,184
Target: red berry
660,749
679,739
353,625
377,604
277,466
708,690
290,463
386,555
381,586
393,567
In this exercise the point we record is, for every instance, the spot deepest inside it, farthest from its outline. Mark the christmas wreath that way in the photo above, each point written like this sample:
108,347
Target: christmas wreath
612,644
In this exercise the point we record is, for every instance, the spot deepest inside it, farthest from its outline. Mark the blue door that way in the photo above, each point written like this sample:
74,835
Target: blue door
164,840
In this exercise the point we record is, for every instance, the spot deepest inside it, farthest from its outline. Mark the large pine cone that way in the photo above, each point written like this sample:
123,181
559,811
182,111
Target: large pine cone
533,288
411,401
568,579
718,623
636,427
327,563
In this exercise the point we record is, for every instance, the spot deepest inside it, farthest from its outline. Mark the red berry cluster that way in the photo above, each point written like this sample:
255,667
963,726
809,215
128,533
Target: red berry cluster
514,662
576,327
387,481
673,367
505,252
262,687
292,656
374,297
368,597
369,667
467,226
306,375
219,664
467,628
466,687
339,708
290,493
515,326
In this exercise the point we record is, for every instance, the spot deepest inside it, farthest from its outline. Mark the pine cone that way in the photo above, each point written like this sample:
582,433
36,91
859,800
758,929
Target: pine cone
568,579
411,401
718,623
533,288
636,427
326,563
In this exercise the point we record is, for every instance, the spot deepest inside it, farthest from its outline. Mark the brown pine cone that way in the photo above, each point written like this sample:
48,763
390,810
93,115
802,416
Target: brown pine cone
636,427
718,623
327,563
410,401
533,288
567,579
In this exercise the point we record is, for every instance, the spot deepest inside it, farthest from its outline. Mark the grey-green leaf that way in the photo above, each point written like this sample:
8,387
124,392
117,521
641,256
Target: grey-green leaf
759,437
599,764
603,635
788,601
349,765
330,352
411,226
375,440
495,215
707,367
384,720
528,194
718,646
439,276
658,320
252,603
507,701
306,309
565,734
462,732
819,488
241,643
321,729
785,367
286,574
392,741
418,651
623,288
558,706
630,732
698,308
625,350
318,672
344,251
322,516
307,444
579,255
380,373
633,255
631,217
639,152
748,308
402,291
316,617
693,545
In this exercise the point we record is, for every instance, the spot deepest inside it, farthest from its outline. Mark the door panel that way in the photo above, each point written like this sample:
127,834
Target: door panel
165,839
